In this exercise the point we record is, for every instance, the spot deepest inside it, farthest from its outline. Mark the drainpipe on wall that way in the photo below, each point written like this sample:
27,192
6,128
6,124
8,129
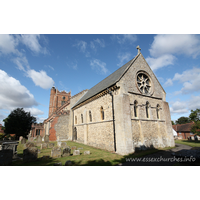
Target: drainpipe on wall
110,92
73,125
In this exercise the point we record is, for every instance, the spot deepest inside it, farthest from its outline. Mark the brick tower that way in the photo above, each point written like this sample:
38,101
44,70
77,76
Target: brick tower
57,99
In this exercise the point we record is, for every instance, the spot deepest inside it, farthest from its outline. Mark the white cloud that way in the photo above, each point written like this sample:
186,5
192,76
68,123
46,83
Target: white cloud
32,42
99,66
169,82
162,61
82,45
121,39
49,67
165,47
181,107
8,44
123,57
22,63
97,42
34,111
178,107
175,44
194,102
13,94
40,78
190,79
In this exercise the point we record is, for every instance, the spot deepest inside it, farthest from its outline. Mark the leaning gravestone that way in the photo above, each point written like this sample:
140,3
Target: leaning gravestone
66,152
43,146
23,141
6,157
29,144
46,138
63,145
39,139
50,145
86,152
56,152
76,152
30,154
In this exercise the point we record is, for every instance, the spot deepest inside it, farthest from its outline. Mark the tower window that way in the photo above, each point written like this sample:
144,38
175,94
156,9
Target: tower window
75,119
147,109
157,111
90,116
82,118
102,113
135,108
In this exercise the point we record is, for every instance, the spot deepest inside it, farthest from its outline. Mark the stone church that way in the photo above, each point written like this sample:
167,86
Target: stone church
124,112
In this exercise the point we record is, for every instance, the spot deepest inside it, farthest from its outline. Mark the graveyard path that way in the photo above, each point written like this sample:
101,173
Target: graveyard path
158,156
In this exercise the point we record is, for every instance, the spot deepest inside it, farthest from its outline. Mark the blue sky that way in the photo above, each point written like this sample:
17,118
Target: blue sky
31,64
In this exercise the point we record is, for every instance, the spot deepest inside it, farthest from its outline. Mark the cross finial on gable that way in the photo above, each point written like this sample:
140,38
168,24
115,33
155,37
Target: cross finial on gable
138,48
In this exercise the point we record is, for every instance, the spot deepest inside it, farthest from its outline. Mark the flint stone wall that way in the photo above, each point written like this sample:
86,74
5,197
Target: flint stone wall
62,127
98,133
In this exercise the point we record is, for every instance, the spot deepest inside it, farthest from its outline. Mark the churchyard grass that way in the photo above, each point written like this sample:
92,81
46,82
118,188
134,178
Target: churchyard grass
97,157
191,143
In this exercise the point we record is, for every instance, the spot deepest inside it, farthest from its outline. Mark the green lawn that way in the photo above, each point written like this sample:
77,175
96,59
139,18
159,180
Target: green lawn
189,143
97,157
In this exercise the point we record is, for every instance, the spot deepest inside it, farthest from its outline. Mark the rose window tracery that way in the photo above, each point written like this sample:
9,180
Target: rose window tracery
143,83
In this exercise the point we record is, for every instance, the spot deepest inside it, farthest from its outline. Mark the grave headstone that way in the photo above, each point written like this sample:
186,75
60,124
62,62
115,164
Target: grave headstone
6,157
73,147
12,145
59,144
20,138
76,152
63,145
30,139
50,145
30,154
23,141
68,163
86,152
66,152
29,144
46,138
56,152
39,139
43,146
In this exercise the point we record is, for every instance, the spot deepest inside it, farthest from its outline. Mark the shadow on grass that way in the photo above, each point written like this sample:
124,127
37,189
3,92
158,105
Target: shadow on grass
190,141
39,162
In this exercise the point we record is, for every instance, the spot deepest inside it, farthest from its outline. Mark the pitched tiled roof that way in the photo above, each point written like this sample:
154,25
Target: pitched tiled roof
107,82
183,127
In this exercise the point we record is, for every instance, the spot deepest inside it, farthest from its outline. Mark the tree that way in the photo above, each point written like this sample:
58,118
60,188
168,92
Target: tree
182,120
19,122
195,129
173,123
195,115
